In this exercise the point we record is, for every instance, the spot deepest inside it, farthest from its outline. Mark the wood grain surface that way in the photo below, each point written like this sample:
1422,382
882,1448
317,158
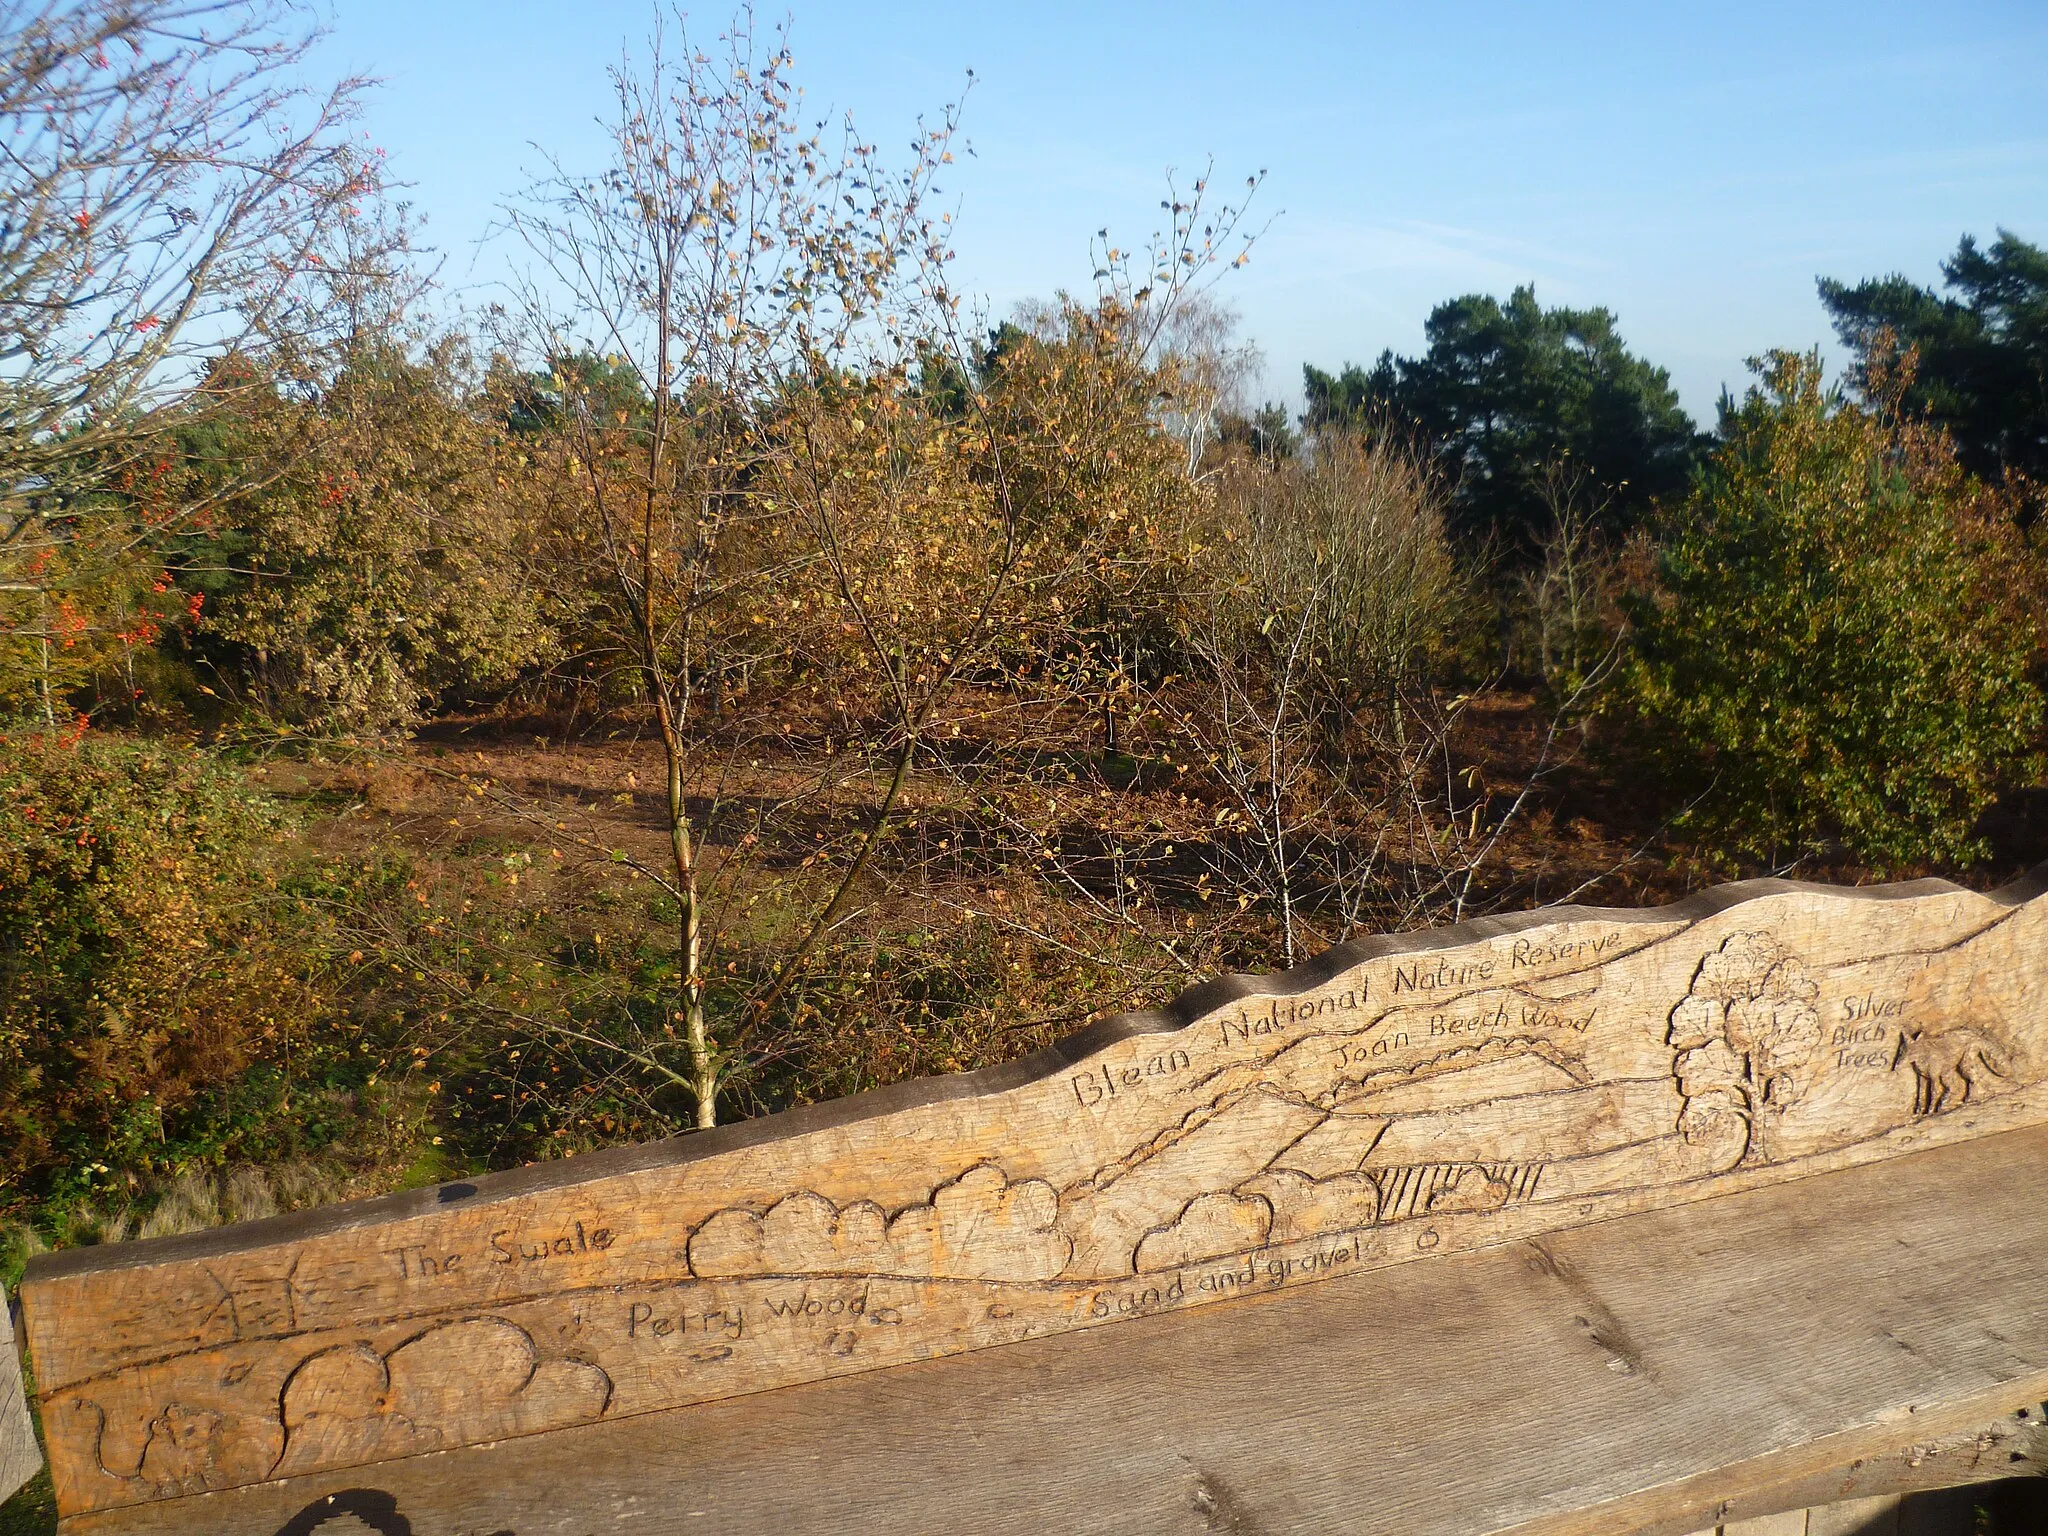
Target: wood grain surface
1928,1488
20,1457
1398,1099
1648,1376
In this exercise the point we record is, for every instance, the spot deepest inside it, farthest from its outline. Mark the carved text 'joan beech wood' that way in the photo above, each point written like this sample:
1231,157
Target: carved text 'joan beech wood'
1394,1099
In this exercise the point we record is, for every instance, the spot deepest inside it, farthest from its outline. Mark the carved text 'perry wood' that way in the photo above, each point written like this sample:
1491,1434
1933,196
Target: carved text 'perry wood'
1396,1098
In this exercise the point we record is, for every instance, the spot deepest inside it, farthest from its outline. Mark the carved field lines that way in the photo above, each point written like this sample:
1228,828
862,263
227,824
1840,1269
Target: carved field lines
1393,1102
1411,1191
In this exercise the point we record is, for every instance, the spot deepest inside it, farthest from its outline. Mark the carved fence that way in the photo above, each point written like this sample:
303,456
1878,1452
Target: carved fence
1294,1138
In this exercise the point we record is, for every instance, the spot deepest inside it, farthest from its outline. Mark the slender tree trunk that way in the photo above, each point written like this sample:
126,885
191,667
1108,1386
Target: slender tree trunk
690,929
682,845
49,703
1286,902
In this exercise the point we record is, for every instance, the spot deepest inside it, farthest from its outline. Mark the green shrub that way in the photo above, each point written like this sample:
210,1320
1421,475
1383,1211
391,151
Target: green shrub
1823,662
156,987
371,564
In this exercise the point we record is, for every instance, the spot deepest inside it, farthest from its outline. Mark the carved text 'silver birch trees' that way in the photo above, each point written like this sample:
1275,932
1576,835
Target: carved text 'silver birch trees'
1394,1099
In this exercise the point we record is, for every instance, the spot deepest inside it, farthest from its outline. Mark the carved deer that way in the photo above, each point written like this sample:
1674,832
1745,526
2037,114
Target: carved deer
1947,1065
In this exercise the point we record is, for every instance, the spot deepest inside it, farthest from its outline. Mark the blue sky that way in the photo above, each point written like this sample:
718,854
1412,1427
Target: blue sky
1692,167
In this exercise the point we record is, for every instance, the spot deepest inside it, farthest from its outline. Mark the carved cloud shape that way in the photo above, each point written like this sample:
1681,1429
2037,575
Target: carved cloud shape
979,1226
1306,1207
1210,1226
478,1379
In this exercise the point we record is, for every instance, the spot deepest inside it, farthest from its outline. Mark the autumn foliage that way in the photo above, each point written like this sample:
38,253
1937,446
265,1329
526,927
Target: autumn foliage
736,672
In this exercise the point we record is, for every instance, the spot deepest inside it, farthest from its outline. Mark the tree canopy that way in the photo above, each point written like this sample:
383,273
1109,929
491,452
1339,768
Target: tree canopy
1982,351
1507,391
1828,655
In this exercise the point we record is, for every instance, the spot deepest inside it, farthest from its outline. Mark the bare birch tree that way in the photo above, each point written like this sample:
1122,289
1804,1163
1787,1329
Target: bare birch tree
1349,797
731,255
168,180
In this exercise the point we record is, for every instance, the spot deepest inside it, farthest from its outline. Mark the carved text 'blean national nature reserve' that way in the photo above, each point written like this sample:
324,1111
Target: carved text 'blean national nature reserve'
1395,1099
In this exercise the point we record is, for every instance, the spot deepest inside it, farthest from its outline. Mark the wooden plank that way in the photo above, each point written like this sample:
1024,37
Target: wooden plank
20,1457
1399,1098
2009,1446
1789,1523
1645,1374
1857,1517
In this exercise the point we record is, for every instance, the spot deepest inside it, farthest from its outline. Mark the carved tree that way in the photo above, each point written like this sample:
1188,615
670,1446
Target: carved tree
1745,1033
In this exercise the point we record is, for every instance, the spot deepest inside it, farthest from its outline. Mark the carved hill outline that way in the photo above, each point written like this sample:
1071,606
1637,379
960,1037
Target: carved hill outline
1190,1007
1187,1008
1212,1207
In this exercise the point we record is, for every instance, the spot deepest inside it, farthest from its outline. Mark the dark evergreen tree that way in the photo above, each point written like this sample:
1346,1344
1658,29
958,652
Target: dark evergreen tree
1505,394
572,383
1348,399
1981,352
1265,434
948,387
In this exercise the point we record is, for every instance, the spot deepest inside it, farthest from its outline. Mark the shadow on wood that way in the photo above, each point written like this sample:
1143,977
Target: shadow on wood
1846,1336
1398,1099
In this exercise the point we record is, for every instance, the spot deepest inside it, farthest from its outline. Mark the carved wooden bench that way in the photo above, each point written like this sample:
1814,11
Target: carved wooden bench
1576,1221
